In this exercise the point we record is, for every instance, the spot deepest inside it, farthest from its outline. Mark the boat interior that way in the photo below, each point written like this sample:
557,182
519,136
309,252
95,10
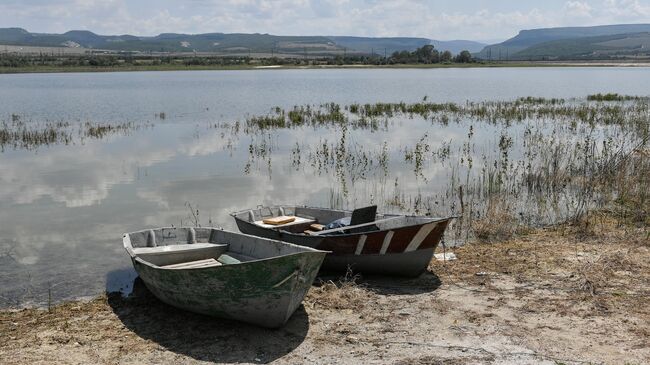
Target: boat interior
193,248
314,221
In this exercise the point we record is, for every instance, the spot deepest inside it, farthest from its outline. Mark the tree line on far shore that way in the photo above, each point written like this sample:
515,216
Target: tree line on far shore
428,54
423,55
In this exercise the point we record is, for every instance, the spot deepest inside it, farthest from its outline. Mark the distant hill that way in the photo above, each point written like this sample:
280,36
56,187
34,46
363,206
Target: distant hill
379,45
227,43
510,48
392,44
14,35
601,47
169,42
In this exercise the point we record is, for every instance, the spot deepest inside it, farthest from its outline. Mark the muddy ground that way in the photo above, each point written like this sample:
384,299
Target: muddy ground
562,295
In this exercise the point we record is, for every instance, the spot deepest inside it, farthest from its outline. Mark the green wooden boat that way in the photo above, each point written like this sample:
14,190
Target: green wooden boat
224,274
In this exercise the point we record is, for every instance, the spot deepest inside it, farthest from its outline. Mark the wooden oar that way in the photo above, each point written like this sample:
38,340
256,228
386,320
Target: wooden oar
355,226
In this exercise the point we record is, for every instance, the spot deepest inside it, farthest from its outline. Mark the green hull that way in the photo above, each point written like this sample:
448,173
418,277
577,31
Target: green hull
263,292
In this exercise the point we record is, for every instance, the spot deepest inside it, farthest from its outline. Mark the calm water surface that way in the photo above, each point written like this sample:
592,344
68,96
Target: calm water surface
63,208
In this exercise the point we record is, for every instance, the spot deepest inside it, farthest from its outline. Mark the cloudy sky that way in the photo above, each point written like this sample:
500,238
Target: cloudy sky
439,19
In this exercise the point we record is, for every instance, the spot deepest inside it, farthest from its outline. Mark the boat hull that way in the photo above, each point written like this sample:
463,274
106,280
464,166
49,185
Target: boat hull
410,264
258,293
260,281
404,251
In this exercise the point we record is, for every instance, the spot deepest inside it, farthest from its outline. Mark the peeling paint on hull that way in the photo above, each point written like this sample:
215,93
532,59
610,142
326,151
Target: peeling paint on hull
263,292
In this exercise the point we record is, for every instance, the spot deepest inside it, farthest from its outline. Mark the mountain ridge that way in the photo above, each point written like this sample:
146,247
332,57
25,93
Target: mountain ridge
511,48
225,42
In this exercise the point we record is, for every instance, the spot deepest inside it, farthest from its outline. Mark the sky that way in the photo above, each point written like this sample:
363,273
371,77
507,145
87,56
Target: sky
482,20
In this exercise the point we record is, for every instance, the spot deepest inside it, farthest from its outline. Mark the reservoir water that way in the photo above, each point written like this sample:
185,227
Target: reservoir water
64,206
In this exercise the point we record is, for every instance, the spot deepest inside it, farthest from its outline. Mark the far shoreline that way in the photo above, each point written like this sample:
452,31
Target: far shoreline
159,68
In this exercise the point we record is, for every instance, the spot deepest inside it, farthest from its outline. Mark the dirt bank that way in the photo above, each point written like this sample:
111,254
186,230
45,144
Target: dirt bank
561,295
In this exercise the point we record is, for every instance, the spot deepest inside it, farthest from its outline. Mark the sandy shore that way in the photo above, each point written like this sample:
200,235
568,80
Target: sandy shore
564,295
182,67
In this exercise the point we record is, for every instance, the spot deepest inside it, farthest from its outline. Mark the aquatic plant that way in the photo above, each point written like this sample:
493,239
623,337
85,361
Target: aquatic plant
373,116
540,160
550,160
20,133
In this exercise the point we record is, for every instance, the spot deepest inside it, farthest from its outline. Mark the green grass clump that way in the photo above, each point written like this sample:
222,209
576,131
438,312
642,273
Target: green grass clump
611,97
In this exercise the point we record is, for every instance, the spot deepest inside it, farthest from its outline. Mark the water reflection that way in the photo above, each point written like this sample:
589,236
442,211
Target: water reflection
65,207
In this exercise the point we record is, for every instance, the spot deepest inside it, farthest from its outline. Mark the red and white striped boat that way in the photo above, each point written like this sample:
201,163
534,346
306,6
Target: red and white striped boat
387,244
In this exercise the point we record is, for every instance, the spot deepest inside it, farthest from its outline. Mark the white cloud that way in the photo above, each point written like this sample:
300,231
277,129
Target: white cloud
25,179
578,8
438,20
583,13
627,9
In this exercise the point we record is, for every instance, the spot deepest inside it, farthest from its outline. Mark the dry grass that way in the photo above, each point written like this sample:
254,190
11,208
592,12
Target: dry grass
496,225
525,299
345,293
597,261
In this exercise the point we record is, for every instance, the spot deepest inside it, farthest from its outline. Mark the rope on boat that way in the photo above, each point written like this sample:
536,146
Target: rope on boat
286,279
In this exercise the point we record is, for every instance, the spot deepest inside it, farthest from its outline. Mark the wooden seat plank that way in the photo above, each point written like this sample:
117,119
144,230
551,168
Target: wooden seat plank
298,220
174,248
194,264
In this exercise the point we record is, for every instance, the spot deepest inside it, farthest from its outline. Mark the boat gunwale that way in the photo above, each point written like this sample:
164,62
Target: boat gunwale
126,242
